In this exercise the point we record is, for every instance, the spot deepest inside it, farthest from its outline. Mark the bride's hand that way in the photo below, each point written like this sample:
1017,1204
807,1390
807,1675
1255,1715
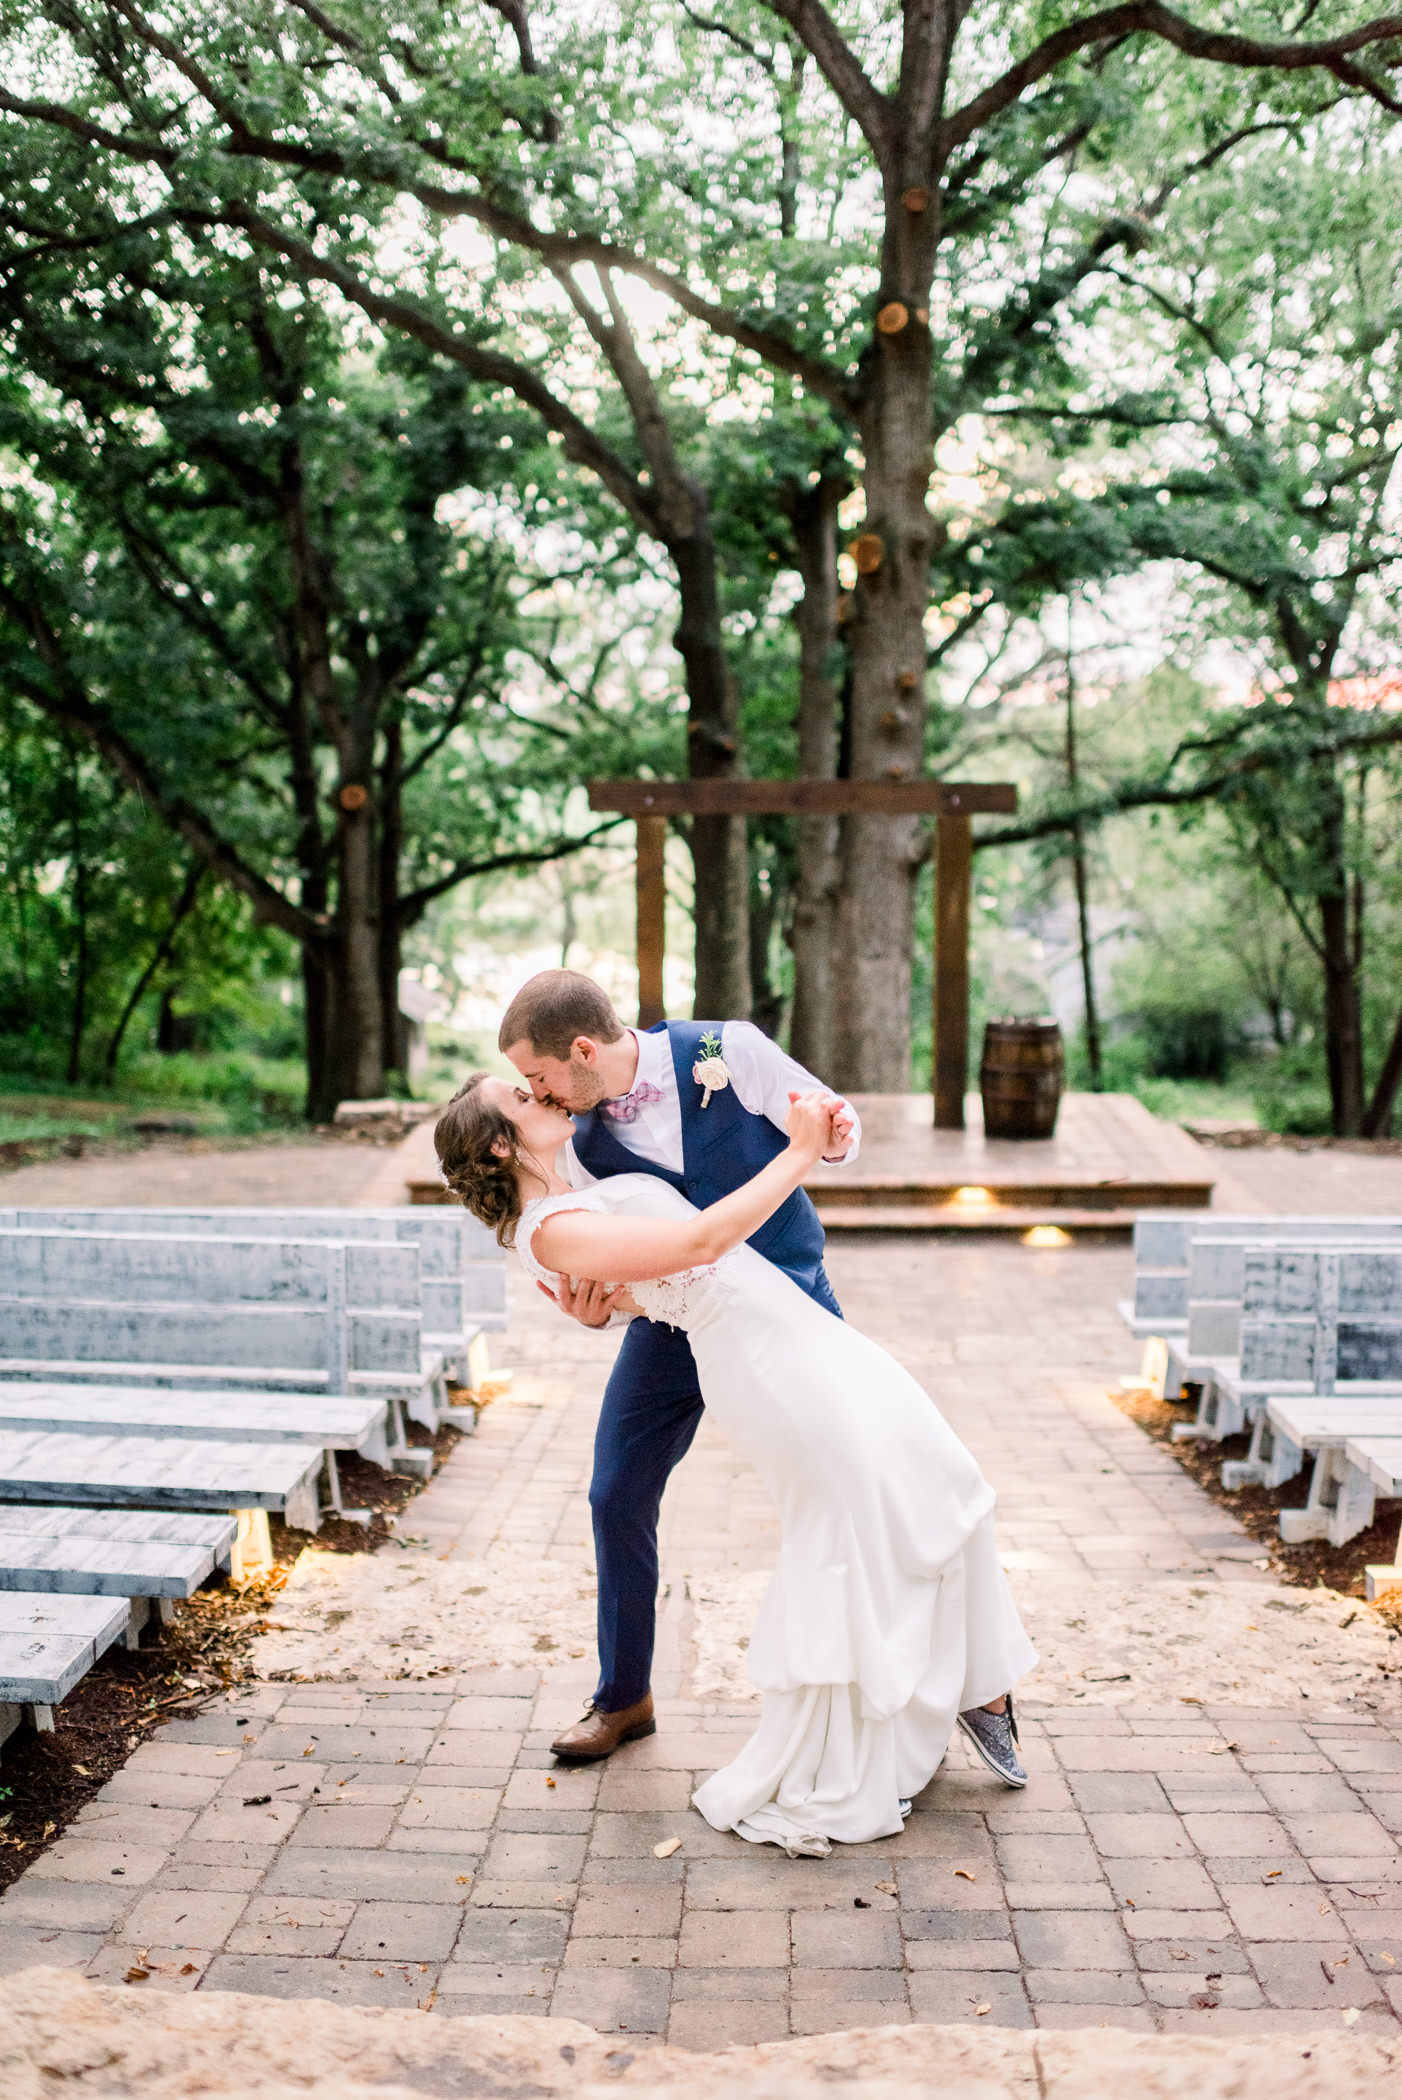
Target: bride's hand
810,1123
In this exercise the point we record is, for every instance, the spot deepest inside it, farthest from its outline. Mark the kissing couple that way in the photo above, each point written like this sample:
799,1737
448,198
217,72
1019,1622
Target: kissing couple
655,1178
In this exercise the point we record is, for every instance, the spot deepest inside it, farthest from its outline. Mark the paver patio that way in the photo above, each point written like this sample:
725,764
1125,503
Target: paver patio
410,1843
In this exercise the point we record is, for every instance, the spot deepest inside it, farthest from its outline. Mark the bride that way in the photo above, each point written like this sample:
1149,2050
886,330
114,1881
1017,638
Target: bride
888,1619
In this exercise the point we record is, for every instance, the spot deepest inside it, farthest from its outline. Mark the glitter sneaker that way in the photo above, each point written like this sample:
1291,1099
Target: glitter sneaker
994,1736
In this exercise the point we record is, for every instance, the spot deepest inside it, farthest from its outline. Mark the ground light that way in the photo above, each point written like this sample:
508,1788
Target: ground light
1046,1236
972,1195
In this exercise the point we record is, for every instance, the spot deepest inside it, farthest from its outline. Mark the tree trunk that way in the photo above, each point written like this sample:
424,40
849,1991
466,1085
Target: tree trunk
1343,1030
185,904
356,1032
1078,872
814,515
316,1018
719,845
1378,1121
880,855
394,1030
78,1017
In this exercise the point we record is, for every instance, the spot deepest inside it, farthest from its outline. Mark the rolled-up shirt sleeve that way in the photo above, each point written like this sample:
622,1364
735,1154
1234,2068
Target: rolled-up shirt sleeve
762,1075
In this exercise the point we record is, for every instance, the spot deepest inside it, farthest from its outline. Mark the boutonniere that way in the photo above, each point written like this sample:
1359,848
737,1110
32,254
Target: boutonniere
710,1070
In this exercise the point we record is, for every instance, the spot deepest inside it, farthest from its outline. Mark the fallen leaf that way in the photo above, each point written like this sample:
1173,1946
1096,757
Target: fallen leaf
463,1880
980,2010
666,1848
187,1969
887,1888
1324,1910
964,1874
1178,1953
137,1975
257,1800
550,1782
1388,1959
860,1903
1329,1976
1349,2015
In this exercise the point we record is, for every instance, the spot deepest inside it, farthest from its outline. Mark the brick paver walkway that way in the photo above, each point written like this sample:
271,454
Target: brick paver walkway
399,1843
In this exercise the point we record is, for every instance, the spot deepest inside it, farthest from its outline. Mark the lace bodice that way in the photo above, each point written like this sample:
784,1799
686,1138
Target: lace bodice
676,1301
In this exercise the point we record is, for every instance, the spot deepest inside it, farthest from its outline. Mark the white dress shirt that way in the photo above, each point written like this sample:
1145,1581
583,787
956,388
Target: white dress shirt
760,1072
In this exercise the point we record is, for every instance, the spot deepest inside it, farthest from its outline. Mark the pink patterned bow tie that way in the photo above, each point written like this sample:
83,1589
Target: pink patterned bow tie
625,1108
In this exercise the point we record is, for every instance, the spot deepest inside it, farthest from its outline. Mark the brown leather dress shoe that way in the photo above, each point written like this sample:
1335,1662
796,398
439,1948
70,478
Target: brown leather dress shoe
599,1734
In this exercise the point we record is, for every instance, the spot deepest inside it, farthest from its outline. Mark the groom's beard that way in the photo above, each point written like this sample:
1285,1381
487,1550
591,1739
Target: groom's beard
586,1093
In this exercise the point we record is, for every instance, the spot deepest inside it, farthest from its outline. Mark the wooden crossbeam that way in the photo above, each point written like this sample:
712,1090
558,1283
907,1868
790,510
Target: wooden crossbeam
952,802
816,798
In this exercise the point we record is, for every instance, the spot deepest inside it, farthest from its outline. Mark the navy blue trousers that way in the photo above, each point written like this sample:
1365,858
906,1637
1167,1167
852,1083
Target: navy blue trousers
652,1405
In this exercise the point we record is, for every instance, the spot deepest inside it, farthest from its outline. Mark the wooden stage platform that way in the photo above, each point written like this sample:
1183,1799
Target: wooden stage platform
1110,1158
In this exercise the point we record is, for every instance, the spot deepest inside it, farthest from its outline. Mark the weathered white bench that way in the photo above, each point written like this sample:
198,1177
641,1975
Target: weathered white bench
1288,1428
163,1472
171,1309
1380,1458
1310,1317
47,1643
462,1270
1165,1257
347,1423
158,1554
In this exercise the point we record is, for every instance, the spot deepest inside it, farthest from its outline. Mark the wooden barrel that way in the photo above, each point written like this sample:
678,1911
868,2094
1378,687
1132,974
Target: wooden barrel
1021,1077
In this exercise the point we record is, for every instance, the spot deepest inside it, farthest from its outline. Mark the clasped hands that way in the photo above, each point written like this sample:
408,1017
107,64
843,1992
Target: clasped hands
818,1121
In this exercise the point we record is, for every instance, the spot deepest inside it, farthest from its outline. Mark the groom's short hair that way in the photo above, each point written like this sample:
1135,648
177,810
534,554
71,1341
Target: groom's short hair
551,1009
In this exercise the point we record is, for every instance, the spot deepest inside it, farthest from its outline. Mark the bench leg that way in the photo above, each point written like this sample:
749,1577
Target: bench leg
1354,1497
252,1552
165,1606
137,1615
1246,1472
1379,1579
1311,1522
302,1509
404,1456
41,1719
1205,1424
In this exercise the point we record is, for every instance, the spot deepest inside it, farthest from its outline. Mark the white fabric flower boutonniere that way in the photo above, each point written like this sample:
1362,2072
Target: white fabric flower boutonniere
710,1070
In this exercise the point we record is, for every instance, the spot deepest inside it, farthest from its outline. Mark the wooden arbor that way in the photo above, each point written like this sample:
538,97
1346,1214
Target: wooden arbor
951,802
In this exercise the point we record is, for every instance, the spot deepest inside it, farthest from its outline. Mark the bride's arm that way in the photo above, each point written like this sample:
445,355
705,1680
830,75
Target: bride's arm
633,1250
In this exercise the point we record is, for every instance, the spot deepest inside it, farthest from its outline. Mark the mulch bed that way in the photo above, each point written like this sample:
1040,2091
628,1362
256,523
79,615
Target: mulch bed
46,1779
1257,1508
1248,1137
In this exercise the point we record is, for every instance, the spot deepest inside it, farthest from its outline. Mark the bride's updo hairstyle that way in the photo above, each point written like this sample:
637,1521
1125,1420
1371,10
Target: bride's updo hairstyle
464,1137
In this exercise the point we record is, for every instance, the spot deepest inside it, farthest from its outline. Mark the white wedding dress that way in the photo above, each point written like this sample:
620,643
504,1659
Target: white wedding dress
888,1613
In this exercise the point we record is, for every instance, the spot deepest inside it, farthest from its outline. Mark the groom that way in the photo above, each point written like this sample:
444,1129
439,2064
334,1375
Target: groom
703,1107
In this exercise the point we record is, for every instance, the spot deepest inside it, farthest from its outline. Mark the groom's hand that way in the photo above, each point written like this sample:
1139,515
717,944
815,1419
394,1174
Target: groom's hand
589,1303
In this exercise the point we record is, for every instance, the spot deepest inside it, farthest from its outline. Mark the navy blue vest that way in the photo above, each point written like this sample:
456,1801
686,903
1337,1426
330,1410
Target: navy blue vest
723,1146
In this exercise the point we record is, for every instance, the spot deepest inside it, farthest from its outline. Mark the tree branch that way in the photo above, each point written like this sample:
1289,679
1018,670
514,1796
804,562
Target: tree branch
1157,794
839,65
1150,18
414,903
581,443
63,700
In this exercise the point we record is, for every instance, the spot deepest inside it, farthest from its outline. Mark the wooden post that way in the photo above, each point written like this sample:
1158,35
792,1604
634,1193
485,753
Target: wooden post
954,855
652,918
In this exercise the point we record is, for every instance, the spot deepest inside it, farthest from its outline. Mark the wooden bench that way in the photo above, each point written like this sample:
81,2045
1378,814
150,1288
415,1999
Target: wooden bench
342,1424
171,1309
163,1472
47,1643
1165,1258
462,1270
